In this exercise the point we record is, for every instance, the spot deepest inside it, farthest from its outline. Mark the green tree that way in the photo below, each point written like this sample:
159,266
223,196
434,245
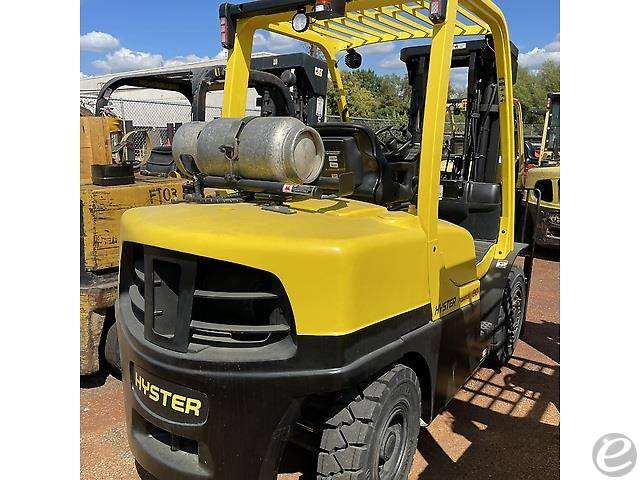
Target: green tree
388,96
362,102
532,89
372,95
360,97
394,97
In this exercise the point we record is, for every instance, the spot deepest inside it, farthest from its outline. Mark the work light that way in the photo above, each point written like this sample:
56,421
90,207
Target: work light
300,21
226,34
353,59
324,9
438,11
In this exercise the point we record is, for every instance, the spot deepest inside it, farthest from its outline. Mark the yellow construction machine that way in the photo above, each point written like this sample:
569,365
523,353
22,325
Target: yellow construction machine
345,287
543,181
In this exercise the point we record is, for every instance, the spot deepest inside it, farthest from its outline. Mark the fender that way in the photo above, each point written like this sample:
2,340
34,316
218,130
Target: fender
492,286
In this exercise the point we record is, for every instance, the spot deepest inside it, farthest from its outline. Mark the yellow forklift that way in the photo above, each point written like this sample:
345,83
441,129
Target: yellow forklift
109,185
344,288
543,180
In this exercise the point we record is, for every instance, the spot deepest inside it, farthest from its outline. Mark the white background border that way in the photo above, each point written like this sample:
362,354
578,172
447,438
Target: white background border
40,225
600,272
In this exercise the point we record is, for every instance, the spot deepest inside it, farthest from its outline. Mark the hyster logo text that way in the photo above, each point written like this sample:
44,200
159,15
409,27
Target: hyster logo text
446,305
176,402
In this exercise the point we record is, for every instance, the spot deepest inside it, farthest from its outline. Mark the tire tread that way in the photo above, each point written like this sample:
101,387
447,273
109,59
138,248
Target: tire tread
349,428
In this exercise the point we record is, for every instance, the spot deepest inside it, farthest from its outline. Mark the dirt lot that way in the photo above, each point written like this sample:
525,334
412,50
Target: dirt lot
499,426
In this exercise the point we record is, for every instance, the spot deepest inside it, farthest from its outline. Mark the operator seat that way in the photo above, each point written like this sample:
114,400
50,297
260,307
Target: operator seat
160,163
350,147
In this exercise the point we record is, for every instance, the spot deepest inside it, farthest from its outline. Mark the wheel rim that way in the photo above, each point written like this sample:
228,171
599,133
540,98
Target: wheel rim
392,445
517,314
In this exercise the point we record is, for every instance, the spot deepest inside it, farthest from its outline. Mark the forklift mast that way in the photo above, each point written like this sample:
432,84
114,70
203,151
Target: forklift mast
481,149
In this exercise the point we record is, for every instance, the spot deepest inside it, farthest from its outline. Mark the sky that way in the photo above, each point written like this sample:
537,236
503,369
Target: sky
119,35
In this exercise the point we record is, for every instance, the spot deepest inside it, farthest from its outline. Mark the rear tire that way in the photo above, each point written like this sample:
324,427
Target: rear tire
373,433
510,319
112,349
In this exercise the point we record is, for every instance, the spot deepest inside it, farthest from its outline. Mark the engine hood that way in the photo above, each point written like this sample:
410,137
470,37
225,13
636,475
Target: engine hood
542,173
341,261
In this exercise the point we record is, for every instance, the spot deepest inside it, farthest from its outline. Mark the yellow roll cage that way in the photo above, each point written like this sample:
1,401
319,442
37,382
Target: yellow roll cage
368,22
544,153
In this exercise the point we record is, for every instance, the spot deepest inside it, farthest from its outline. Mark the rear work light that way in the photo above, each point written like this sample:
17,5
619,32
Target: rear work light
300,21
438,11
227,27
226,36
324,9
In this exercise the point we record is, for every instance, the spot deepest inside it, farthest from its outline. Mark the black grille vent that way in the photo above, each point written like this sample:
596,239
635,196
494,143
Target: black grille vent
546,190
196,302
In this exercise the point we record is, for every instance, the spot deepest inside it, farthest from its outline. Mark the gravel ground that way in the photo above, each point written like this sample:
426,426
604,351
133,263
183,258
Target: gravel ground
499,426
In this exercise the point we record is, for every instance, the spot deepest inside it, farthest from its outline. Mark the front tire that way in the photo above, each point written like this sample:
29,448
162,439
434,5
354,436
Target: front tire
510,319
373,434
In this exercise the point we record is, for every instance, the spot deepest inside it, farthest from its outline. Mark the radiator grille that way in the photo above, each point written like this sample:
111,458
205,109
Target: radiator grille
194,302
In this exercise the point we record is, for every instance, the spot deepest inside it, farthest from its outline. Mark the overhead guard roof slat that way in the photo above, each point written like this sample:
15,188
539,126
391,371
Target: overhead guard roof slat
369,22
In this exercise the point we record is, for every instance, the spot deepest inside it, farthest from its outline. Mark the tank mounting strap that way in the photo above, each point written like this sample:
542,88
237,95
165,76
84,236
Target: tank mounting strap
230,142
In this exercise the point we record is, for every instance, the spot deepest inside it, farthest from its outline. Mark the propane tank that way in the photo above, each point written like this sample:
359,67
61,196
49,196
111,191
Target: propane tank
185,141
281,149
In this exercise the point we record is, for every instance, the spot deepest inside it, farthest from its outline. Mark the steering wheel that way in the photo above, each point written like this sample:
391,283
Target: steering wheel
394,140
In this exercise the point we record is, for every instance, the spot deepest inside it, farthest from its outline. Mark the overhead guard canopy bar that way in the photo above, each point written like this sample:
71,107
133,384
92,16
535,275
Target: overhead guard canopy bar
365,22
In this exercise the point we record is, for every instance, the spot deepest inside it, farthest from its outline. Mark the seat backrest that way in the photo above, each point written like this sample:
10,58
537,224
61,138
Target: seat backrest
530,151
350,147
476,206
366,137
160,163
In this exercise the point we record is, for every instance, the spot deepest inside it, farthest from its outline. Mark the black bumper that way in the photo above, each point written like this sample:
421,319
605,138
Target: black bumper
252,404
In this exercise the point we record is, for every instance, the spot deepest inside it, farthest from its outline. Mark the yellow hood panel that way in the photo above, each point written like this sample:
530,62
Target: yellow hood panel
542,173
376,260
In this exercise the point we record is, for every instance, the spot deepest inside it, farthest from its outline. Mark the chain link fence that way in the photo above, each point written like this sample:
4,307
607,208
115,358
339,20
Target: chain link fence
374,124
147,115
533,129
530,129
153,116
